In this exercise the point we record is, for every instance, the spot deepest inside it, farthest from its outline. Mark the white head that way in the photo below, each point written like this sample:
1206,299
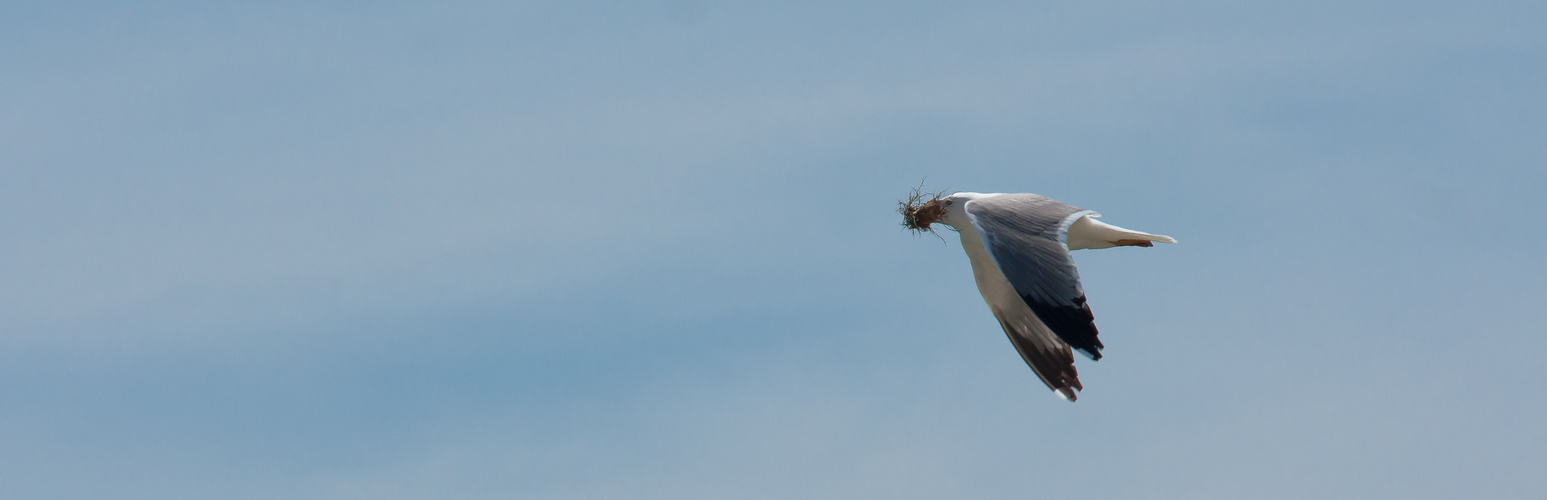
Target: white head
956,209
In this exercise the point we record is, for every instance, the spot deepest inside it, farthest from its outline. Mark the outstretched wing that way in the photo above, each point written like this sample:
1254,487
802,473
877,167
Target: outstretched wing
1025,234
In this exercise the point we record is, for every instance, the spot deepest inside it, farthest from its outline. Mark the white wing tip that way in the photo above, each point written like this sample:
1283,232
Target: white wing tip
1164,239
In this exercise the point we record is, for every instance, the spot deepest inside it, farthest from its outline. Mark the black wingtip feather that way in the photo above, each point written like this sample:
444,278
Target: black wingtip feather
1055,367
1073,323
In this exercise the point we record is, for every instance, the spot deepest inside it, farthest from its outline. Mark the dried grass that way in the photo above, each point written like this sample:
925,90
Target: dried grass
921,209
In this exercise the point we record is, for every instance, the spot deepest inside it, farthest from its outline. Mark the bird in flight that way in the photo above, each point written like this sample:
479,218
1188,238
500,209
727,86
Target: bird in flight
1019,247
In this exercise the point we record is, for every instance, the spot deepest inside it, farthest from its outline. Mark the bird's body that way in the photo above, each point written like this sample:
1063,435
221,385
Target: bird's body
1019,247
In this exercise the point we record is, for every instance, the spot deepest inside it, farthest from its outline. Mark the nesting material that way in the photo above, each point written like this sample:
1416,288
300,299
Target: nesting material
921,209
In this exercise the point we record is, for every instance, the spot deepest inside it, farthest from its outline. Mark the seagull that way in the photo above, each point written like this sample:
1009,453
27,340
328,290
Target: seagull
1019,246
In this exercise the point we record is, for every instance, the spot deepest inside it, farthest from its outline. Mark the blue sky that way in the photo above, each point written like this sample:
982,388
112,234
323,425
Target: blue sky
557,250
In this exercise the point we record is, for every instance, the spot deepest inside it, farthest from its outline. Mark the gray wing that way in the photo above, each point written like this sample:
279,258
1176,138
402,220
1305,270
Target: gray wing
1025,233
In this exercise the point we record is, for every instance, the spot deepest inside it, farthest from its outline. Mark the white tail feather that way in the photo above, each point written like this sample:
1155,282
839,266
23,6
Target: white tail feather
1089,233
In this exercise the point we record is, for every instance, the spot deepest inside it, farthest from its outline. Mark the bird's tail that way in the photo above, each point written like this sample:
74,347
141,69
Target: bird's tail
1088,233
